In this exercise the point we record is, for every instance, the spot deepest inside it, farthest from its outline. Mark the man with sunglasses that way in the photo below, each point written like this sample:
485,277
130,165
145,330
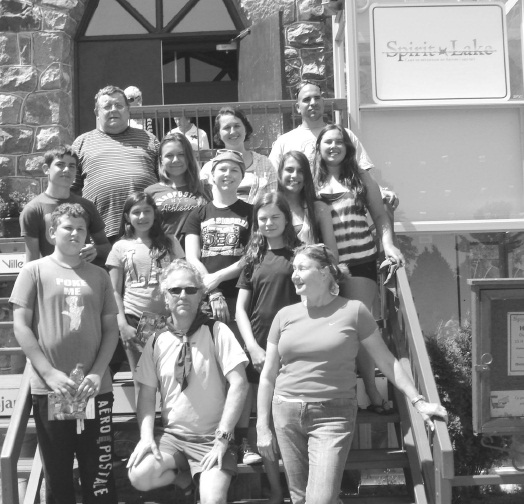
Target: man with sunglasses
199,367
310,106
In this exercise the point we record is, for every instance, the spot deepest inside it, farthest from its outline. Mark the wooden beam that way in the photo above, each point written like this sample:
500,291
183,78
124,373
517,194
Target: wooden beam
136,14
86,18
182,13
237,15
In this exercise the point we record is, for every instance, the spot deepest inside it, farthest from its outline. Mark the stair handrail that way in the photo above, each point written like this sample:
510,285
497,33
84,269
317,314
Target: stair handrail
434,449
13,440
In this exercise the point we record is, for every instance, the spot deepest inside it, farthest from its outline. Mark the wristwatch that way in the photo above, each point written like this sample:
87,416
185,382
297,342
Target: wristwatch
228,436
416,399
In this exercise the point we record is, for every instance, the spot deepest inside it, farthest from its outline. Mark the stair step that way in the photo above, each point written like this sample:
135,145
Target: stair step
357,459
386,499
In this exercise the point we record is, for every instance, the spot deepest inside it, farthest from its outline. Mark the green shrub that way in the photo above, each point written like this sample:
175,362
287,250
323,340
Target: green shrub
450,354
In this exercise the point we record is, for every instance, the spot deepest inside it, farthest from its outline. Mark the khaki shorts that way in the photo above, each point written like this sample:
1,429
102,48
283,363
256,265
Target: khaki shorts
188,451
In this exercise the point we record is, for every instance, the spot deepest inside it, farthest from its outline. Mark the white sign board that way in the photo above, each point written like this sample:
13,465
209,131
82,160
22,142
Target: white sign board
439,53
11,262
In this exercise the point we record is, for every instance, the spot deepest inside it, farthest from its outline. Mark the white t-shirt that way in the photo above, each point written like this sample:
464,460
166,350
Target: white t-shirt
197,137
198,409
304,140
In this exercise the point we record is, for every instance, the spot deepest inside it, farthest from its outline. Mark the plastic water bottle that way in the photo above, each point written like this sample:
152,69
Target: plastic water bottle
77,375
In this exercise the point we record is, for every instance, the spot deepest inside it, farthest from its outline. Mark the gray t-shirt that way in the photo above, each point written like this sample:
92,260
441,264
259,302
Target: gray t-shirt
68,305
318,347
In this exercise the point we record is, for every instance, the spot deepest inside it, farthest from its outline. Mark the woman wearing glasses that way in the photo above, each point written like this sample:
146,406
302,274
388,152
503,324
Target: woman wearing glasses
231,131
309,382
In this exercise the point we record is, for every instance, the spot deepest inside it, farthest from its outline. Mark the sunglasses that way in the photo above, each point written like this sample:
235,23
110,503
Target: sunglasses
176,291
225,151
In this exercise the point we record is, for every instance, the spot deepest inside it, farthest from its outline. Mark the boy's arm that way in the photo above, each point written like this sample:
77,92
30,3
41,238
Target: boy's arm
105,352
55,379
102,245
32,249
193,253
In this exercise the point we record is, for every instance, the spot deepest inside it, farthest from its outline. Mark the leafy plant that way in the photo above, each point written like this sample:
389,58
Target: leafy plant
450,354
12,203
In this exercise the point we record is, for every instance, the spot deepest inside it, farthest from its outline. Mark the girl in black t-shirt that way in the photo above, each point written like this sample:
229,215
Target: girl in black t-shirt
265,287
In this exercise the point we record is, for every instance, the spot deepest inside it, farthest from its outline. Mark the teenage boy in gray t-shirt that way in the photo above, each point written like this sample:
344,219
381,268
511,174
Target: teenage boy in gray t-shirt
64,313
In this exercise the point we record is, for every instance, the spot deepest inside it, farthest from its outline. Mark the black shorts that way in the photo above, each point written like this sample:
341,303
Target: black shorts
367,270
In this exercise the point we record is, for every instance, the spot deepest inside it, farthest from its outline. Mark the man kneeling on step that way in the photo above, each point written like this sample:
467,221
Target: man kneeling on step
192,360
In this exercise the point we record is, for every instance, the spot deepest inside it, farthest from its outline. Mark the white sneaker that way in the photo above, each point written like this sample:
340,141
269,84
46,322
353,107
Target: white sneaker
249,456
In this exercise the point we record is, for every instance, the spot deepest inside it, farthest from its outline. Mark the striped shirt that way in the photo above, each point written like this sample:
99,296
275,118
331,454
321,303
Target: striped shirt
113,166
355,243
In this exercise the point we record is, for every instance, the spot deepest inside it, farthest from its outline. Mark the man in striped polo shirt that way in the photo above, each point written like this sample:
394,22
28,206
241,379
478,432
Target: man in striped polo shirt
115,159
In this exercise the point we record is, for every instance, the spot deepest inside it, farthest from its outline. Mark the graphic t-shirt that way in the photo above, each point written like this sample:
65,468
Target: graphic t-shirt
68,305
142,275
35,219
271,289
224,234
176,204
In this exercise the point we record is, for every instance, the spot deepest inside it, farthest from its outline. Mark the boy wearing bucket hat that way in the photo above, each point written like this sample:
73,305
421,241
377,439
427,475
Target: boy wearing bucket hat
217,234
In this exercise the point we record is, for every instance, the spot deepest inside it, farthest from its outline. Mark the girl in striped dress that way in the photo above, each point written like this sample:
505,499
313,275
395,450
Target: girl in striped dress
352,192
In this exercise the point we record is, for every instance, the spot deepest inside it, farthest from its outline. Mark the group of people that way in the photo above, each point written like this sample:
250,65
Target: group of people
261,272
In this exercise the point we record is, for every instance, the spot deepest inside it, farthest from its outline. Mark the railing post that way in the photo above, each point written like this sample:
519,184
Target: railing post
443,487
13,442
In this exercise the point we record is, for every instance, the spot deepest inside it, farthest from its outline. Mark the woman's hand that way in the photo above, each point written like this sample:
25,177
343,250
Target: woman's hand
428,410
258,357
128,336
141,450
394,254
220,309
266,442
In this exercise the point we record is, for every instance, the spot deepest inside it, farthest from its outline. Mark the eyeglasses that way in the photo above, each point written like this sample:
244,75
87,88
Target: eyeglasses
225,151
176,291
131,99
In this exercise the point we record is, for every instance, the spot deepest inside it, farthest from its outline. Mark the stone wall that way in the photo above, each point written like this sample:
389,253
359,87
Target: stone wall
36,71
308,52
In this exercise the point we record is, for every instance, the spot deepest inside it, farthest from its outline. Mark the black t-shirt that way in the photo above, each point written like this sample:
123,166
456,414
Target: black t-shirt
224,234
272,289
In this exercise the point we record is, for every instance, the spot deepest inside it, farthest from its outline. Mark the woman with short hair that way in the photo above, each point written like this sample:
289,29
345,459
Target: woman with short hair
309,380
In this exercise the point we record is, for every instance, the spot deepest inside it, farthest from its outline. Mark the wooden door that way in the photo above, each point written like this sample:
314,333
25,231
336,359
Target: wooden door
261,62
121,63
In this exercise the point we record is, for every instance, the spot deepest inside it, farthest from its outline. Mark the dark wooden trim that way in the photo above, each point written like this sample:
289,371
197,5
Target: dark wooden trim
182,37
181,15
135,14
159,15
235,12
220,75
187,69
86,18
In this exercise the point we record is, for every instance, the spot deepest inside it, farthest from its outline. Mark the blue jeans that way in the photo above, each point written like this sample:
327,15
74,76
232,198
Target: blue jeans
314,440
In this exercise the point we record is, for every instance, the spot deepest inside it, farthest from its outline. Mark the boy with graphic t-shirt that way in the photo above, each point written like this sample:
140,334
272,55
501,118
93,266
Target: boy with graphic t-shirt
217,234
64,313
60,166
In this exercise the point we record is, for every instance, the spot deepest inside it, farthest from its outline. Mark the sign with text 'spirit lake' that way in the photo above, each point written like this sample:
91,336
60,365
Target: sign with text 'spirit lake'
439,53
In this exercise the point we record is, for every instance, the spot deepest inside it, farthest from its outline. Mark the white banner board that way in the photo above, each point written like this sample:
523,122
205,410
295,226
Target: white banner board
439,53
